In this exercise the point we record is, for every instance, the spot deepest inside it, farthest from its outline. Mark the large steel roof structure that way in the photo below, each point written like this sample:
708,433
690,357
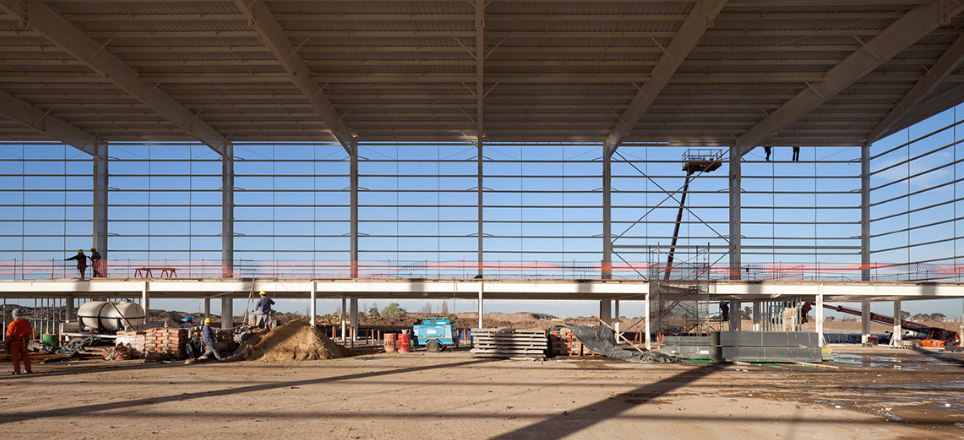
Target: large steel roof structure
707,72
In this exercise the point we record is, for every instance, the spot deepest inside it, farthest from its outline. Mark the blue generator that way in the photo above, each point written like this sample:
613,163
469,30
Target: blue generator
435,334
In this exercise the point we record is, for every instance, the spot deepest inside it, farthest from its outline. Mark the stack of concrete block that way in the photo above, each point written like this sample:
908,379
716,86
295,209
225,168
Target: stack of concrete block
165,343
133,339
509,343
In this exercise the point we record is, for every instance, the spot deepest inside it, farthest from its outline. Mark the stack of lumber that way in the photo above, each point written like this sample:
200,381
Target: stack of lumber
134,340
509,343
165,343
564,343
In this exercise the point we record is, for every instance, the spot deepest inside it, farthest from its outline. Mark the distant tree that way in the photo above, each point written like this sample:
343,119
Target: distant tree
427,308
746,313
445,308
393,311
920,317
904,314
937,317
831,318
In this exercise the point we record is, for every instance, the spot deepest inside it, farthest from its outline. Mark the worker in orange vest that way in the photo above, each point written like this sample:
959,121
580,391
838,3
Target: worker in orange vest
18,334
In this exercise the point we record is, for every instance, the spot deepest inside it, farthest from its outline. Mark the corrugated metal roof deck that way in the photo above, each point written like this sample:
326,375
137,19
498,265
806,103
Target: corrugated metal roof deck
551,71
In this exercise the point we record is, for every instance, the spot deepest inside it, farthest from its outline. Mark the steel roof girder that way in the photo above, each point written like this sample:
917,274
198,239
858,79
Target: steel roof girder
42,121
906,31
690,32
36,15
274,37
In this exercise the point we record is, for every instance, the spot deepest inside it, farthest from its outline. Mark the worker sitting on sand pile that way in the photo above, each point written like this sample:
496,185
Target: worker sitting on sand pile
208,338
263,310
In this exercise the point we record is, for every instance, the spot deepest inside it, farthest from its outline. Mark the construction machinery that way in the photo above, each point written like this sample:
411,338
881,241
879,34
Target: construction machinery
919,335
435,334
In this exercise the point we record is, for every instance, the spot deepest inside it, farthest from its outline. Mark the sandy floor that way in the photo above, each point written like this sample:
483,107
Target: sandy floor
454,396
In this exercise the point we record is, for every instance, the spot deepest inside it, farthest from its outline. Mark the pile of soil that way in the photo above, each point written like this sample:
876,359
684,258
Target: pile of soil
294,341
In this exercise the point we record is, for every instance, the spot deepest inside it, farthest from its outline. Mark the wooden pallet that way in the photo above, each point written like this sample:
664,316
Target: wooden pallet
509,343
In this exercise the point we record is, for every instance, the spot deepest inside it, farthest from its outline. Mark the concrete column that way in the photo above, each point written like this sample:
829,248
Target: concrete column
865,211
606,310
314,304
481,285
616,317
207,308
864,322
649,345
146,300
736,204
344,314
607,232
353,214
818,319
227,313
736,321
227,211
69,304
898,331
354,318
101,180
757,324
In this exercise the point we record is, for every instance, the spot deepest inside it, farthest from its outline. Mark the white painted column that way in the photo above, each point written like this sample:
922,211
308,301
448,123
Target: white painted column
207,308
227,313
898,331
756,316
616,317
649,345
314,305
736,316
481,285
818,319
69,304
864,322
146,301
344,314
353,215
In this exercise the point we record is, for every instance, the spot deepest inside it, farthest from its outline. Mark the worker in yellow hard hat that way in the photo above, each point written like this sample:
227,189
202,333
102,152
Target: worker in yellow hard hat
262,310
81,262
95,261
209,340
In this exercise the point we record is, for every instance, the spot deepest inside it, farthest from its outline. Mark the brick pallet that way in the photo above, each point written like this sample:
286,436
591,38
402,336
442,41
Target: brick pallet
134,340
564,343
509,343
165,343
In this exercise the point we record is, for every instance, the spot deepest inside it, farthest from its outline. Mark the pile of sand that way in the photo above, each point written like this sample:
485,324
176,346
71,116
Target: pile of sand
294,341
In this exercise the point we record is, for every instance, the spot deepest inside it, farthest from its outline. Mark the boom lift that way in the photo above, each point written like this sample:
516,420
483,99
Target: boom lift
927,336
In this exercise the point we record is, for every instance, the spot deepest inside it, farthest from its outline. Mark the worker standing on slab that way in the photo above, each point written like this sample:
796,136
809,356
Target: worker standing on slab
81,262
263,310
18,335
209,340
96,263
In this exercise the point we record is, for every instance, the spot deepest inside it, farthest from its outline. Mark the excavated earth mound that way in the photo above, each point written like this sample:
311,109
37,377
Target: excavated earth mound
294,341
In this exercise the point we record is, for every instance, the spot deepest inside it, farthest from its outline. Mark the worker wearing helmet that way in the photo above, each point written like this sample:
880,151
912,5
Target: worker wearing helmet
187,323
263,310
209,341
81,262
95,261
18,334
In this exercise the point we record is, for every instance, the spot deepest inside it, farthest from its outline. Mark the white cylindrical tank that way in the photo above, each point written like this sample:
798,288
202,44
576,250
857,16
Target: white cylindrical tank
99,316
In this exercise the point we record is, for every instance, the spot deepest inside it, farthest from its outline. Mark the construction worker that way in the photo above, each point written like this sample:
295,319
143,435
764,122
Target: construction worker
18,335
208,338
81,262
95,261
187,323
263,310
724,311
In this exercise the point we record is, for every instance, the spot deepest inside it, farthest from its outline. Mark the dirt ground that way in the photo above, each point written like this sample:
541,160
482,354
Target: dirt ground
876,393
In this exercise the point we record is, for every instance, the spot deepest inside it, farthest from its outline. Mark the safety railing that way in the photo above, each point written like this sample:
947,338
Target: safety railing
464,269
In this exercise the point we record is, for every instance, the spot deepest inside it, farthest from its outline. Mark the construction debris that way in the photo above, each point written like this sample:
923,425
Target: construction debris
509,343
602,340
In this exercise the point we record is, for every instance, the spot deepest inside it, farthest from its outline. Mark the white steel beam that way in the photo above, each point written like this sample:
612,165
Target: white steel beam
46,124
271,34
906,31
36,15
699,20
946,64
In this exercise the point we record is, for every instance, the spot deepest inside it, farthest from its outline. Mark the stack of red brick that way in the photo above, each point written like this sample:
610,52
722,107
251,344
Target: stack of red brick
563,342
134,340
165,343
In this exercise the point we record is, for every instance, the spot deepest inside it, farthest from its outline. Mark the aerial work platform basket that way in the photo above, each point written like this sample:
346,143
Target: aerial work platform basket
702,160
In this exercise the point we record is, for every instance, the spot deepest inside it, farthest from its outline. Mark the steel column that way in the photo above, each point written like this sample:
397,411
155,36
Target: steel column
865,322
756,316
354,319
101,182
227,211
649,344
146,300
227,313
353,240
314,305
898,330
736,317
865,211
481,286
207,308
736,205
344,313
607,227
479,97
